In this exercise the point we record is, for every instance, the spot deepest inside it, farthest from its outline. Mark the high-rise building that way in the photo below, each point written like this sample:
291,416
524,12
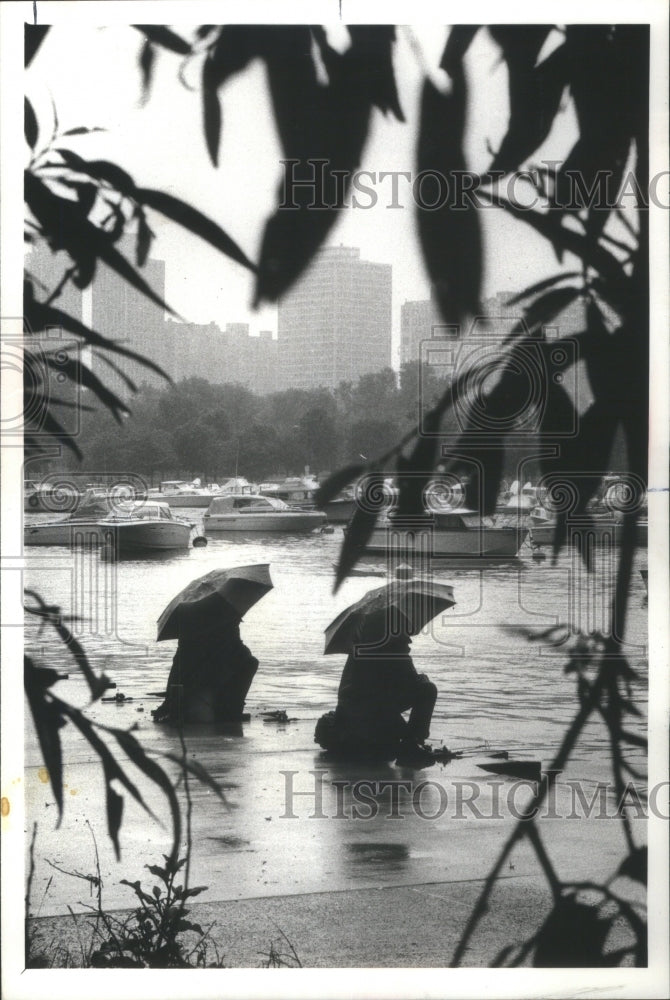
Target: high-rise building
123,313
203,350
335,323
194,350
419,321
260,355
48,269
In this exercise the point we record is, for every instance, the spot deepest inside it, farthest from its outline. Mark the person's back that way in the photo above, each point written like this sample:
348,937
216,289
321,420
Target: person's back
374,683
212,669
379,682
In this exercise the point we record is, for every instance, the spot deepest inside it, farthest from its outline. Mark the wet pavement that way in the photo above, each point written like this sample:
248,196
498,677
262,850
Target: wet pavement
360,864
296,822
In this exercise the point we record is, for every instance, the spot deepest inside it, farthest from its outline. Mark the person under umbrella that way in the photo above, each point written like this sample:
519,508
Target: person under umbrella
212,669
379,681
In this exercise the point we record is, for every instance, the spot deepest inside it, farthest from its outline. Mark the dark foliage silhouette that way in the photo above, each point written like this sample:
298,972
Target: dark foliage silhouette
322,101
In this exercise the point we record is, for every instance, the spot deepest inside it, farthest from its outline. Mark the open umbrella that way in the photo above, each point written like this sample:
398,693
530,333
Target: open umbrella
240,587
416,600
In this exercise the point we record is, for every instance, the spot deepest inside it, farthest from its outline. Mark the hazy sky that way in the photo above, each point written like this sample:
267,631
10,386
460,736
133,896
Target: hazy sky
93,78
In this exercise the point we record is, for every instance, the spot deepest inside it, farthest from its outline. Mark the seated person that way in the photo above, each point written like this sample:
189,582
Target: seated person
212,669
376,687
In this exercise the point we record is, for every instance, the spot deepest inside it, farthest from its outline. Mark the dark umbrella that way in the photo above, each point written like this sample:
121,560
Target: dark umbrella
416,600
239,588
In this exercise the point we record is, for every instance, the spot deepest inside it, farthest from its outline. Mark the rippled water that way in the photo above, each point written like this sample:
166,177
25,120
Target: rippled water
493,685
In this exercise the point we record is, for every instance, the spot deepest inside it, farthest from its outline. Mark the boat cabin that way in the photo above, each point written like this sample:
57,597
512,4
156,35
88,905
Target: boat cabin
248,502
295,490
236,485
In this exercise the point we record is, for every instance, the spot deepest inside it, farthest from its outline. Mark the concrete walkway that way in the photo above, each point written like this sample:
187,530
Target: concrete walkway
398,926
359,865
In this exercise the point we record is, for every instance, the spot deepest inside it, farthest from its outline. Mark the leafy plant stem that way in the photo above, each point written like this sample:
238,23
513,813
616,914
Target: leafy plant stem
521,829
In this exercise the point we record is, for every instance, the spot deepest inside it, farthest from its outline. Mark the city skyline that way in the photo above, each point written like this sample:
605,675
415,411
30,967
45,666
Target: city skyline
335,326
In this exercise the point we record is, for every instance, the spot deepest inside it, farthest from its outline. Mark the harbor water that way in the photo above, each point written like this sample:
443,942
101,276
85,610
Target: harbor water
494,686
498,692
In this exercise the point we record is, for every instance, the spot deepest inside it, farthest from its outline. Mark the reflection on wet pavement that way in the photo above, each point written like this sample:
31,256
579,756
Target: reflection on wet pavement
388,857
494,690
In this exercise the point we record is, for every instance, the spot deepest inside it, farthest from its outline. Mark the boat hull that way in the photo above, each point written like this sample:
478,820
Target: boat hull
62,533
289,521
482,543
601,532
147,536
340,511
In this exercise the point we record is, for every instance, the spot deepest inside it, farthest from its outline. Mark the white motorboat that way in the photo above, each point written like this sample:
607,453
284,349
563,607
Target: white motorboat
188,497
296,491
456,532
181,494
602,521
78,528
39,498
238,484
247,512
178,494
602,527
144,526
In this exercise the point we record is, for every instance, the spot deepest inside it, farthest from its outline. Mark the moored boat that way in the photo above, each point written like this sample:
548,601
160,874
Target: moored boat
144,526
181,494
601,526
519,500
40,498
341,508
642,531
238,484
249,512
79,527
456,532
602,521
296,491
32,496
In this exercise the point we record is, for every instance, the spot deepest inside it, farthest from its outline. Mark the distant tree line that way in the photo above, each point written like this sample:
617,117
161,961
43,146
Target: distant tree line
198,428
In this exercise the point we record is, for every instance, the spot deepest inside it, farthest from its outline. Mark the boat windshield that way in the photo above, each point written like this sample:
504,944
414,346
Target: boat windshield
142,511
